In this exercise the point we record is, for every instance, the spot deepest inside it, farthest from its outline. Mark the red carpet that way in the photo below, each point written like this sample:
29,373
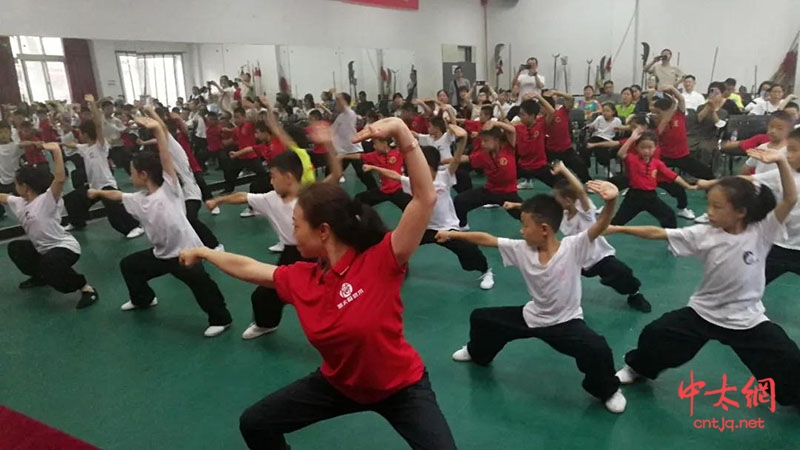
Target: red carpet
19,432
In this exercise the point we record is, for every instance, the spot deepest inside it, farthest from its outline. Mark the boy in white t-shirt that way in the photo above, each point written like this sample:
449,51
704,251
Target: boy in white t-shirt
286,172
579,215
552,273
779,126
49,253
10,154
727,306
444,212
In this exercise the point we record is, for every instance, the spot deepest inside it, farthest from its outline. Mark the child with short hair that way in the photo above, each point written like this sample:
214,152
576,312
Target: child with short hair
530,142
388,158
558,141
670,112
604,129
778,128
552,273
744,222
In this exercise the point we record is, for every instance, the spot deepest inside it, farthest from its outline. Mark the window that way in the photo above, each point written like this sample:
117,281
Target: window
157,75
41,72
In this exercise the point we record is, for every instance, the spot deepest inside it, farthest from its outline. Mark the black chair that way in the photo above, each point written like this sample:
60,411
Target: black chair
744,127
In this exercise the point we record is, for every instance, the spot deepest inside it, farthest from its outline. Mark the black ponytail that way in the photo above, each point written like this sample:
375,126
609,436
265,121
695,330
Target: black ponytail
354,223
757,201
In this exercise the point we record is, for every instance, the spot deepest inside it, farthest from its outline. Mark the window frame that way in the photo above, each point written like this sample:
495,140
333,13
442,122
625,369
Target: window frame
41,59
179,78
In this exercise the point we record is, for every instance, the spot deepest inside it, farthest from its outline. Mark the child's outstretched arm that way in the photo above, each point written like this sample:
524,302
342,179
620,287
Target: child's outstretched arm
608,192
644,232
473,237
786,204
561,169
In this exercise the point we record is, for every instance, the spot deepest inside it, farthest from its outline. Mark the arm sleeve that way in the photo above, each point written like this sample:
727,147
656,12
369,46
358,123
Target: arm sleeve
510,250
686,241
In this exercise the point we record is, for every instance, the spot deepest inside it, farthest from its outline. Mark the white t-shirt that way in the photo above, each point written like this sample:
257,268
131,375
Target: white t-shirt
581,222
772,180
41,220
693,99
762,108
199,126
112,131
605,129
162,214
277,211
344,128
761,167
9,161
527,85
555,289
733,270
444,144
191,191
95,158
444,212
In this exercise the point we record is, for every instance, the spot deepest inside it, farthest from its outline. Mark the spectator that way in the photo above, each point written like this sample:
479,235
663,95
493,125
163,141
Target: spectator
608,94
458,85
730,92
626,106
692,98
529,81
667,74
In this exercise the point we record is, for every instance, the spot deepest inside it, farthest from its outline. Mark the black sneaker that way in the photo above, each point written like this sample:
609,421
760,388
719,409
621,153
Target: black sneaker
87,299
32,282
638,302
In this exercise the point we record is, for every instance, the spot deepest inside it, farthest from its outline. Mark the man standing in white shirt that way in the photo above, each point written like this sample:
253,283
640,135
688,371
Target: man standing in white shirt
692,98
112,135
668,75
344,128
529,81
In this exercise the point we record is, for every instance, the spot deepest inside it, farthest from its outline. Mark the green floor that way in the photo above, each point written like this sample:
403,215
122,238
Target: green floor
149,380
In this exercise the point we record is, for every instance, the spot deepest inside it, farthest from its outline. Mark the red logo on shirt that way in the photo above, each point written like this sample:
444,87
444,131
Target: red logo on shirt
558,119
654,173
536,134
503,161
392,160
347,294
346,290
675,123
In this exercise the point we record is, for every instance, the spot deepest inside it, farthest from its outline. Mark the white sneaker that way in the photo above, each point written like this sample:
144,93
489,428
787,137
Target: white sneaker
277,248
341,179
599,210
136,232
702,219
616,403
254,331
487,280
215,330
128,306
525,184
219,248
627,375
215,211
247,213
464,228
462,355
491,205
69,227
686,213
624,192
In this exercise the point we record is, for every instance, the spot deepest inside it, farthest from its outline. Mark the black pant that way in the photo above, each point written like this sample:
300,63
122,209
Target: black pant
413,412
463,180
203,232
475,198
636,201
140,267
6,189
674,338
78,204
542,174
53,267
492,328
367,178
781,260
319,160
233,167
691,166
675,190
469,255
200,148
375,197
205,191
78,176
267,306
574,163
614,274
121,157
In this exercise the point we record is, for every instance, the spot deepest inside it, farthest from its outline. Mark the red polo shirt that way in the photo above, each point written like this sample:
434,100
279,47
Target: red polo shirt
214,137
500,169
318,149
753,142
269,150
393,160
559,134
418,124
33,155
644,176
474,127
674,144
245,136
530,145
353,315
47,131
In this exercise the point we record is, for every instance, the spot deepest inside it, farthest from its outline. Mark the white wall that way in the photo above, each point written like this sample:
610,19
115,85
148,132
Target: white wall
106,67
585,30
309,23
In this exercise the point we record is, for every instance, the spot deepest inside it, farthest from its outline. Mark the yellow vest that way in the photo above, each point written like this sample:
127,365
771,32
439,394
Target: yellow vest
309,177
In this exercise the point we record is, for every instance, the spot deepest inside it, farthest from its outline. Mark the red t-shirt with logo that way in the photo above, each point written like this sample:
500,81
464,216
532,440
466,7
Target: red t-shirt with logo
644,176
245,136
500,169
353,315
559,133
530,145
673,141
392,160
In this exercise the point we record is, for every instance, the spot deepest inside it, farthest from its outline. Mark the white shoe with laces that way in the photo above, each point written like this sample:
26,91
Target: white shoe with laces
462,355
627,375
215,330
702,219
487,280
491,205
216,211
136,232
219,248
254,331
624,192
525,184
247,213
128,306
686,213
342,179
277,248
616,403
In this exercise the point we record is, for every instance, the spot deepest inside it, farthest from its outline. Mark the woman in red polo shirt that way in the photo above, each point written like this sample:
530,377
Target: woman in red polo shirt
350,309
